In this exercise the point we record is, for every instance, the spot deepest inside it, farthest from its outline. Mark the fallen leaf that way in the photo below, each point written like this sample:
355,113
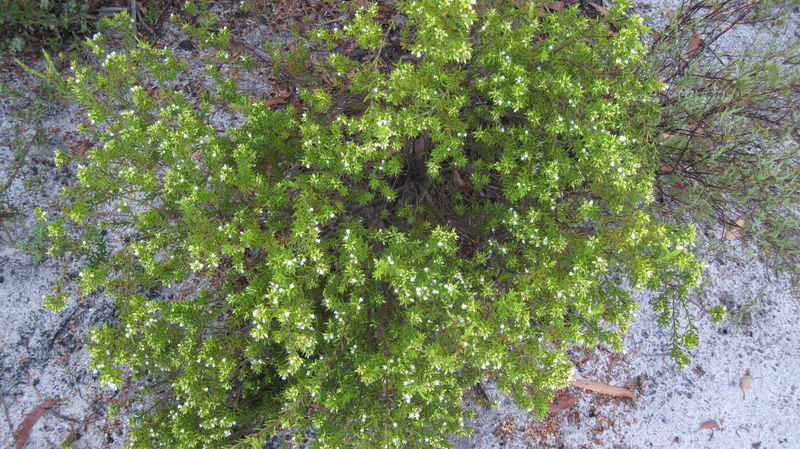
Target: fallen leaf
733,232
274,101
556,6
457,179
694,45
600,387
710,424
92,5
21,435
600,9
666,169
328,78
561,404
744,384
80,148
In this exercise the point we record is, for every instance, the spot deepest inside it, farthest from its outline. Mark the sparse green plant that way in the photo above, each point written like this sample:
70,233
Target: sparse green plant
36,244
729,136
742,316
27,119
7,215
718,313
39,21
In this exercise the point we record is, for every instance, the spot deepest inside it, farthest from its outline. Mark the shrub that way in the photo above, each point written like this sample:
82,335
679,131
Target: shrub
731,139
23,21
465,201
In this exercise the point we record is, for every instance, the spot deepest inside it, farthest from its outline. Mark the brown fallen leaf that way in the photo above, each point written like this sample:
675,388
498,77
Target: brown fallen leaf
710,424
92,5
457,179
694,45
600,387
274,101
556,6
733,232
744,384
666,169
603,12
80,148
21,435
562,404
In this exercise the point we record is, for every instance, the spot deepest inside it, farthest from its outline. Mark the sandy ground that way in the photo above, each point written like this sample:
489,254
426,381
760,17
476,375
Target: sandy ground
42,355
762,336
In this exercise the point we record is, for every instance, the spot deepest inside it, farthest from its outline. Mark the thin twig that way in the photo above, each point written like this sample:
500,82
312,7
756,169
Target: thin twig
133,16
64,417
5,411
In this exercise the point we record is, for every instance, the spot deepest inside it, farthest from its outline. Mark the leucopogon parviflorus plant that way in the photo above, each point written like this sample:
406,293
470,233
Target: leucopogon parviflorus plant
465,199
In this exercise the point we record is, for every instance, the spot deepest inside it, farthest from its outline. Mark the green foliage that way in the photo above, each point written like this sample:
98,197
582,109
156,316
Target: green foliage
36,244
718,313
350,268
731,136
26,21
28,111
